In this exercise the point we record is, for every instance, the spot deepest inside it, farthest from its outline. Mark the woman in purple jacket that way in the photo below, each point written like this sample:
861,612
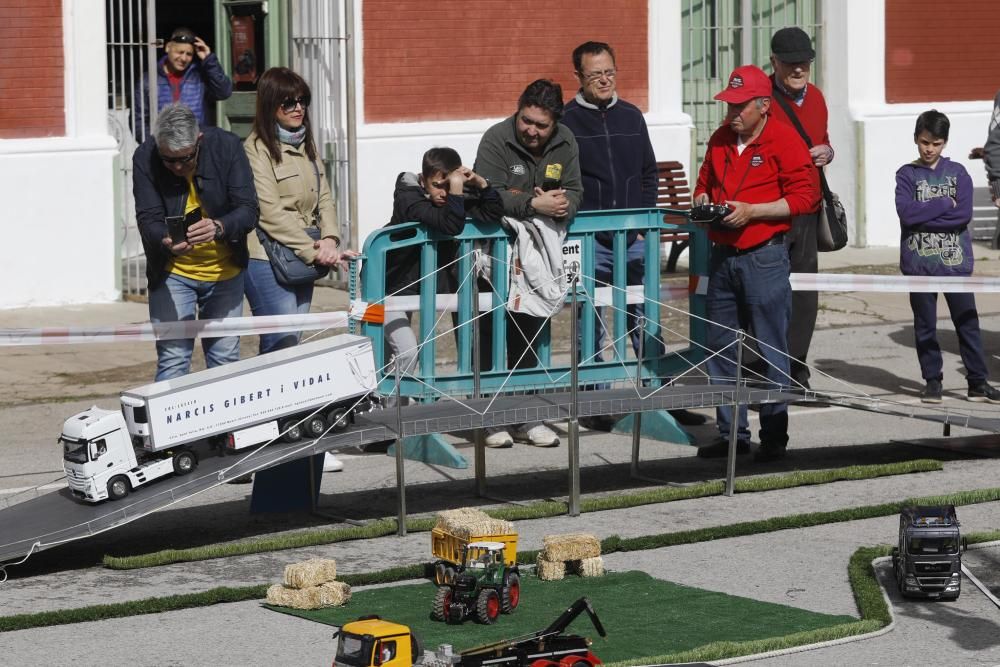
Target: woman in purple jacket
934,204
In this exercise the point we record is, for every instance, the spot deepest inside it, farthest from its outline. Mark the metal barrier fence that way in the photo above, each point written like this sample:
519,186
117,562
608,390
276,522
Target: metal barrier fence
433,380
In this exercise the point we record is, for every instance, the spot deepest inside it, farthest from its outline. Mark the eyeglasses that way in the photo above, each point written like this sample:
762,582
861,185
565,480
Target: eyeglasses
591,77
183,39
288,104
183,159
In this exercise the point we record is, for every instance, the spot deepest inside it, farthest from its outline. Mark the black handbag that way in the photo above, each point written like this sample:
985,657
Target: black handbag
831,228
288,268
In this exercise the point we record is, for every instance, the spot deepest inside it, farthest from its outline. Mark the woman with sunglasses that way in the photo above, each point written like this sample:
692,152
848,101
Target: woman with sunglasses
294,196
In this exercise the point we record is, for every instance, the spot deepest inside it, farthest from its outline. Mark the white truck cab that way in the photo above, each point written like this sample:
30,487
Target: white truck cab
99,459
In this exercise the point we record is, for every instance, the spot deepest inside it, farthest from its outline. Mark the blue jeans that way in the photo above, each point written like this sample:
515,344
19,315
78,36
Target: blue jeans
962,307
750,292
180,298
269,297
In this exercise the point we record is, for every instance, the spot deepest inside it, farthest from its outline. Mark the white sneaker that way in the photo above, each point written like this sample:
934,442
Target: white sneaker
332,464
538,435
498,439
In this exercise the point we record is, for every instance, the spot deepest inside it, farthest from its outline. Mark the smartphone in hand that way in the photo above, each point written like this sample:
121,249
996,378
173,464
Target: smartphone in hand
177,228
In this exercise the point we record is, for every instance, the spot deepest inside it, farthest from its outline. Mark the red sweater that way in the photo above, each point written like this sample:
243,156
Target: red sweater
775,165
812,114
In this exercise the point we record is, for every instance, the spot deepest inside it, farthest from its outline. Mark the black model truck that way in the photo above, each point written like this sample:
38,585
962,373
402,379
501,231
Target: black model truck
927,561
484,586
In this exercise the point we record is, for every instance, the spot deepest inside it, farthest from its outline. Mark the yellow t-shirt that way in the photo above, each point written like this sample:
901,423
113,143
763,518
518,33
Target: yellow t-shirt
208,262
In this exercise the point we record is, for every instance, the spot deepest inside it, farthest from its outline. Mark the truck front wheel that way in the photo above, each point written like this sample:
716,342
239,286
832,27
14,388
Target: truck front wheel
118,487
185,462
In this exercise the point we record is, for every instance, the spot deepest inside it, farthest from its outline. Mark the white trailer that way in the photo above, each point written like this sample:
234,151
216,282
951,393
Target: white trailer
302,391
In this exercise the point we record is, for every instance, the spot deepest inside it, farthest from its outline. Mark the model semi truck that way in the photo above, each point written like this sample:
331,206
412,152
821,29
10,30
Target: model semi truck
302,391
927,561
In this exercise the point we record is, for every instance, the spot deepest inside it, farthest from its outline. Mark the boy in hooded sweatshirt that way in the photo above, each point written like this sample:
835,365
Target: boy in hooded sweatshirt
934,205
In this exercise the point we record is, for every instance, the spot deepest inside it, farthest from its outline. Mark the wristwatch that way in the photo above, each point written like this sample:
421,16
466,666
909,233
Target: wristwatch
219,230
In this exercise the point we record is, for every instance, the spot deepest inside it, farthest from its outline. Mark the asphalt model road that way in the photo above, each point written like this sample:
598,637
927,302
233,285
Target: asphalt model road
867,341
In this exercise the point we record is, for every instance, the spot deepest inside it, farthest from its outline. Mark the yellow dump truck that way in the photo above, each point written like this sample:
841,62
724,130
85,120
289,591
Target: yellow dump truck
449,549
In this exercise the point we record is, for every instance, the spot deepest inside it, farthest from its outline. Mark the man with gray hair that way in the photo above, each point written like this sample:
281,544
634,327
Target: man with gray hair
195,204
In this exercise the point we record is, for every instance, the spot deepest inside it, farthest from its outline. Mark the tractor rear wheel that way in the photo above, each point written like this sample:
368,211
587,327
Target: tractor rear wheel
442,604
487,606
511,592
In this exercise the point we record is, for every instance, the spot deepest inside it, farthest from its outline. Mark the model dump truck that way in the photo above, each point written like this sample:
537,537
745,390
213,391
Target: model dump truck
372,641
449,548
484,585
928,560
160,426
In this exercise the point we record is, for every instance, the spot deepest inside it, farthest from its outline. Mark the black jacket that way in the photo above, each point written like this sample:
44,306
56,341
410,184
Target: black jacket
411,204
617,163
225,187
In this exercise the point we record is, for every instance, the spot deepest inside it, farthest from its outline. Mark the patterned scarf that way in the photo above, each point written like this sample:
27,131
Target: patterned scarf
291,138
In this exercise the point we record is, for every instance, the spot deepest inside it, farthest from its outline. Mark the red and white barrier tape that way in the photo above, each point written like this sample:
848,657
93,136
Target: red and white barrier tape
360,310
849,282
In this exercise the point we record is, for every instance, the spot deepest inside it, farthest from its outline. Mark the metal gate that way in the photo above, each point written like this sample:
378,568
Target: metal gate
720,35
131,25
318,54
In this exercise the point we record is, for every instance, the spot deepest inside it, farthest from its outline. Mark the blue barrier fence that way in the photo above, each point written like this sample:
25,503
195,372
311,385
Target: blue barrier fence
429,379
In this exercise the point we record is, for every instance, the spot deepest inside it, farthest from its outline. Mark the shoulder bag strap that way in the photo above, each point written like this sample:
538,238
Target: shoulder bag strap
780,98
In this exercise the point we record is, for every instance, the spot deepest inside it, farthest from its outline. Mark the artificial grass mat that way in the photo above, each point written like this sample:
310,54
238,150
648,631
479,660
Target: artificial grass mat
642,615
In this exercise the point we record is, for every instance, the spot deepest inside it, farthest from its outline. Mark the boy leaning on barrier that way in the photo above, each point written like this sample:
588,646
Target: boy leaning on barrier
934,205
440,198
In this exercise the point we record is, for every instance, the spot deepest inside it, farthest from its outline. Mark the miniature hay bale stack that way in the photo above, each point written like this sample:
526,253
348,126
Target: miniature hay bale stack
549,570
329,594
467,522
570,546
310,573
578,553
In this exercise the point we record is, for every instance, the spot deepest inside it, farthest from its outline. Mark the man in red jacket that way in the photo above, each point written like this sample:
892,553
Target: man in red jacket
763,172
791,58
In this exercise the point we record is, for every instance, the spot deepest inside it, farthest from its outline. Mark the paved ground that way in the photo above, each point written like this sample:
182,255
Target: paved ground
864,339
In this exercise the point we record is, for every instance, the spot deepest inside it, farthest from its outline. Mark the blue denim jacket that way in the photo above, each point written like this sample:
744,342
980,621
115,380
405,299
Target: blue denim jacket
225,187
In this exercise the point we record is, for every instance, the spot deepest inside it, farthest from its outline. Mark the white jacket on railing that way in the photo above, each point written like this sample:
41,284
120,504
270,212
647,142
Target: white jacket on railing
537,280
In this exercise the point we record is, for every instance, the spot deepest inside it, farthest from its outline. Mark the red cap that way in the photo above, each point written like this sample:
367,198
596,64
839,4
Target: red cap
745,83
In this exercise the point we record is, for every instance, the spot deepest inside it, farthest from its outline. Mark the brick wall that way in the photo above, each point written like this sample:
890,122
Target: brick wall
31,69
938,51
452,60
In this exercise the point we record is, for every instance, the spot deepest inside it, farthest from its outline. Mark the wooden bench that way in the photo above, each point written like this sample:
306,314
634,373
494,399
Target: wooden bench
674,192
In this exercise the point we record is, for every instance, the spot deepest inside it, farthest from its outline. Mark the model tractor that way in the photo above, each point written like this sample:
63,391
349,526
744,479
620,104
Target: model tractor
484,586
373,642
927,561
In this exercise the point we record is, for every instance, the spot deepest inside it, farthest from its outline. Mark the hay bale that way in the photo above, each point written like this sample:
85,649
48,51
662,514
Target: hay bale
571,546
330,594
467,522
591,567
309,573
549,570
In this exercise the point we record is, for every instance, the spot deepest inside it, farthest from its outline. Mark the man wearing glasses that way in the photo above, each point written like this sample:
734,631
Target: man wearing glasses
619,171
188,73
195,203
791,59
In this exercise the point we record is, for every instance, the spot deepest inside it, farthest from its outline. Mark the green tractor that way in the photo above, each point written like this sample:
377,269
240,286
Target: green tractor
484,585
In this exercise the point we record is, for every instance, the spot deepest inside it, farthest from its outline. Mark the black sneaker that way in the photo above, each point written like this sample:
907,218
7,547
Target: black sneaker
932,392
984,393
720,449
769,453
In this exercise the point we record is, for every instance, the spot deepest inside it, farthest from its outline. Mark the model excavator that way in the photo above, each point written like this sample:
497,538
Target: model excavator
373,642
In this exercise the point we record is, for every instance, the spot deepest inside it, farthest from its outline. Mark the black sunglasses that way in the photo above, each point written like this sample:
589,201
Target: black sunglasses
288,104
183,159
183,39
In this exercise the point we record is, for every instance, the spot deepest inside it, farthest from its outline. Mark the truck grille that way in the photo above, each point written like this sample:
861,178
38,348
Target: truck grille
932,582
934,567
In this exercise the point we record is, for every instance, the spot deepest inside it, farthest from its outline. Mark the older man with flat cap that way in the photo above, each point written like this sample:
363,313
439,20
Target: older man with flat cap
801,105
763,172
